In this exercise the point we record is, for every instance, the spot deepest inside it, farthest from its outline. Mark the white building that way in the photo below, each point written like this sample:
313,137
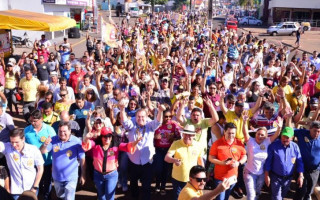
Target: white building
68,8
295,10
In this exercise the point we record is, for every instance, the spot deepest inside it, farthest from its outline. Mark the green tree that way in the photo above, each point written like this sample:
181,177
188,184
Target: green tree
179,3
155,2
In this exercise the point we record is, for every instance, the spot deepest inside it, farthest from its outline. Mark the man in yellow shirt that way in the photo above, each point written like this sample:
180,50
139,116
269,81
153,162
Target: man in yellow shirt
236,115
184,153
28,86
49,117
197,181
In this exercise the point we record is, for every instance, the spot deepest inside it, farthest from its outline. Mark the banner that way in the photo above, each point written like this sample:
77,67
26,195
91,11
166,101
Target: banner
109,34
140,49
177,18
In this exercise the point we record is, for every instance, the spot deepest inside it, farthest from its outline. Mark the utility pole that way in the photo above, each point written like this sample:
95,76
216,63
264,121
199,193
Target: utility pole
210,10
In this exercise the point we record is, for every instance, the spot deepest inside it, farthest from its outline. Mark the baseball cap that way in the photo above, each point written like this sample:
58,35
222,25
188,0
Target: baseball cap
105,131
288,131
10,63
314,101
53,74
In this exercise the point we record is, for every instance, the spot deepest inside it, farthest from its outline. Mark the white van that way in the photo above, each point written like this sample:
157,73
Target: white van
134,11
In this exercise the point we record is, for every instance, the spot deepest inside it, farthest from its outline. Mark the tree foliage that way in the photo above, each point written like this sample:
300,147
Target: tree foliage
179,3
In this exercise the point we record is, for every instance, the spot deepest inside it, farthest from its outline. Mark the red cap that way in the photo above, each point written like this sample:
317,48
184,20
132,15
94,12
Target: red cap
247,68
106,131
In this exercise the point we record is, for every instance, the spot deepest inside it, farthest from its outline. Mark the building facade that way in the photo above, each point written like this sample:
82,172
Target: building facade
292,10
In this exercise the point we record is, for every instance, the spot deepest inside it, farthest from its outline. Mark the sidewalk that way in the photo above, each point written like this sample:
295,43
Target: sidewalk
309,41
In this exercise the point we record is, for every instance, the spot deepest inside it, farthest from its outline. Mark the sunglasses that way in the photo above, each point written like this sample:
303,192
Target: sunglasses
168,116
98,122
199,180
107,136
62,95
212,88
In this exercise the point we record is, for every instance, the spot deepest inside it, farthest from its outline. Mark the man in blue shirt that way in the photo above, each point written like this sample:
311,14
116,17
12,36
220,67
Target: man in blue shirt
80,109
283,155
66,152
140,162
309,143
36,134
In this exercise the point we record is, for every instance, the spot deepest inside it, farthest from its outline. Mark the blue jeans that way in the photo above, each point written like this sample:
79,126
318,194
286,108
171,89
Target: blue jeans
66,190
177,187
105,184
253,184
161,167
223,195
123,168
279,186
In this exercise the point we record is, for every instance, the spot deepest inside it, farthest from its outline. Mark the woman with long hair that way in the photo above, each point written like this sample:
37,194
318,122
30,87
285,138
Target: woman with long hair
92,97
163,138
105,151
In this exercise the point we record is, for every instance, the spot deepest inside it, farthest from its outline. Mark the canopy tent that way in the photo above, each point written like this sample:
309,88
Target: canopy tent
32,21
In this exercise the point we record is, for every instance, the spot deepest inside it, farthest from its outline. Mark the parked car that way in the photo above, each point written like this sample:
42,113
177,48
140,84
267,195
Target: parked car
250,21
306,26
232,25
284,28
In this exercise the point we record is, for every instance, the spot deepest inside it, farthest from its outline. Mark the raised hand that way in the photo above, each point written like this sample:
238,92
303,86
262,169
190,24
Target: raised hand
288,113
89,135
47,141
161,107
245,115
279,122
208,102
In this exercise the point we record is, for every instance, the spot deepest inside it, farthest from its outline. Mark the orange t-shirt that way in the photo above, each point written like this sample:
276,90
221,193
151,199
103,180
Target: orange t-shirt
222,151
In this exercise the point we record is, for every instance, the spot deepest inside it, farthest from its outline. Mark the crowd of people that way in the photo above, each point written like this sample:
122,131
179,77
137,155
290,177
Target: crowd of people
174,101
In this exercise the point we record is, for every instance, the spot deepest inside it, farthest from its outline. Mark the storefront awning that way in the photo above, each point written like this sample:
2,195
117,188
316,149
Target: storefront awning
32,21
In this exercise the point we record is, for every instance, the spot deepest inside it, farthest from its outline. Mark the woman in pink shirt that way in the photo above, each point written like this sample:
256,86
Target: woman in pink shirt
163,138
105,160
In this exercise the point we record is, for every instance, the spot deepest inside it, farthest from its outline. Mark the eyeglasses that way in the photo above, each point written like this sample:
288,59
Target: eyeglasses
62,95
199,180
231,103
107,136
34,121
168,116
98,122
212,88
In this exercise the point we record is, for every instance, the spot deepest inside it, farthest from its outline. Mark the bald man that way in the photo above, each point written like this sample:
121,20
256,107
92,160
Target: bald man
64,116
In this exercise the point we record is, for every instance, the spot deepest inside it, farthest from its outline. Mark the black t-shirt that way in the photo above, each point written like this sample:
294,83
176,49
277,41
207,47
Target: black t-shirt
43,72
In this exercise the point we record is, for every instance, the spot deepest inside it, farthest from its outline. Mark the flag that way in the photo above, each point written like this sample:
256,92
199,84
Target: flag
109,36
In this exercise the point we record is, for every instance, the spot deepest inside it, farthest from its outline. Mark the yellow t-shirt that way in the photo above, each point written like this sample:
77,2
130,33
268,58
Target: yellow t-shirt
201,132
10,81
51,118
189,157
231,117
59,107
30,88
287,90
189,192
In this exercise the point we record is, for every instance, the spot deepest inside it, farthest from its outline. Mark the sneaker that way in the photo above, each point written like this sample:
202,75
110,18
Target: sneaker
157,190
163,192
124,188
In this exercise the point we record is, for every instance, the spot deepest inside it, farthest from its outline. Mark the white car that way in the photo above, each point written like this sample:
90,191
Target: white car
250,21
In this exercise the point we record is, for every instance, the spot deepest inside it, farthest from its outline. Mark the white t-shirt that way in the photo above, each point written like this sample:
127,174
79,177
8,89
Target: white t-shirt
257,155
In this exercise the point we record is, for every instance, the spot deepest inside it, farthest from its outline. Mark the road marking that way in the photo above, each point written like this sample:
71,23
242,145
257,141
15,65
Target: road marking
75,44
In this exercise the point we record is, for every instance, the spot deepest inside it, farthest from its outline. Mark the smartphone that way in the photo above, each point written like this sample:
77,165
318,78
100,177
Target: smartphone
232,180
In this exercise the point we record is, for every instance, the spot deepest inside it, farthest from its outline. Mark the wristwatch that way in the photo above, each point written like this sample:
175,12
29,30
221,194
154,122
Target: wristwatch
34,187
